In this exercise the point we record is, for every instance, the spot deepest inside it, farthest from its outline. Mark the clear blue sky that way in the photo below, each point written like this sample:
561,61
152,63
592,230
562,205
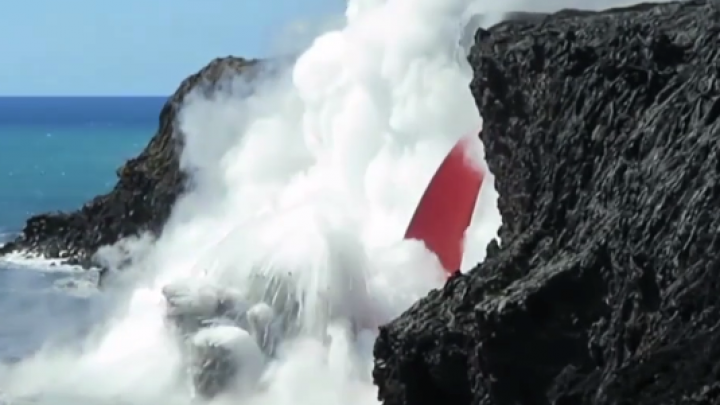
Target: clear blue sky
138,47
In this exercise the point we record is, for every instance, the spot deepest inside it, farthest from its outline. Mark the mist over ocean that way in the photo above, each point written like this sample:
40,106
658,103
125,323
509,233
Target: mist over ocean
55,154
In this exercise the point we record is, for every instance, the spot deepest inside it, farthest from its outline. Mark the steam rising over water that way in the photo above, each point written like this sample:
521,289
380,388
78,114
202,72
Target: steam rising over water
315,177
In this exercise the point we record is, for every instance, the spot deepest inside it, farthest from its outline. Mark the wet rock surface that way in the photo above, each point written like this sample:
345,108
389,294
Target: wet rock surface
147,186
602,129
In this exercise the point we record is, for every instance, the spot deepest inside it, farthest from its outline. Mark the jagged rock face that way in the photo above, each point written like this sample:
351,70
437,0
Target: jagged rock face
148,185
603,132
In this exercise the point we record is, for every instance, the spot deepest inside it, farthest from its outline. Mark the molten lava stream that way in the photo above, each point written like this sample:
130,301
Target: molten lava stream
446,208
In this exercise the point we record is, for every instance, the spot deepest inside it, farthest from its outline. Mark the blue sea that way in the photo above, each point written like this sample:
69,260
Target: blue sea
55,154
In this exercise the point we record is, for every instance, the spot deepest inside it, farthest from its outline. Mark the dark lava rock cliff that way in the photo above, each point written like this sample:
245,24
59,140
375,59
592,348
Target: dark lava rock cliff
147,186
603,131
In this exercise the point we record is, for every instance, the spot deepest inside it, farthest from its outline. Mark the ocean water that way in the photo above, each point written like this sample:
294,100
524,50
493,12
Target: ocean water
55,154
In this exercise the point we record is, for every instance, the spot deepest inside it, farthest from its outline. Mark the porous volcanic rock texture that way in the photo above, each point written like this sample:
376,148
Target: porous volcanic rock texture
603,132
148,185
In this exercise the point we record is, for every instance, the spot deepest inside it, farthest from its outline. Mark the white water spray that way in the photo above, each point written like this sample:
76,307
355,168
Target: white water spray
315,177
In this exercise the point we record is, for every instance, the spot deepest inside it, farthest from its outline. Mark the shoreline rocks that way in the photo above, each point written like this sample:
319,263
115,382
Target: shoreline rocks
602,130
148,186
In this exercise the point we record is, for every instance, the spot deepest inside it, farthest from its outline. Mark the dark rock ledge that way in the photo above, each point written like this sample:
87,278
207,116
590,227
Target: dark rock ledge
147,187
603,131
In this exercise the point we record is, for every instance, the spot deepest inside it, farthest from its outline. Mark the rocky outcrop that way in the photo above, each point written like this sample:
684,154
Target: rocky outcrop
147,186
603,131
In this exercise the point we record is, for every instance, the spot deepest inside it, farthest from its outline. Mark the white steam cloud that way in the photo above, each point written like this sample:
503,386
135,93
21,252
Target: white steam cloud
315,176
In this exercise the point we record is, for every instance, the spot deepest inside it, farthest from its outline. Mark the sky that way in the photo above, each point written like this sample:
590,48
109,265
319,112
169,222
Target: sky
147,47
141,47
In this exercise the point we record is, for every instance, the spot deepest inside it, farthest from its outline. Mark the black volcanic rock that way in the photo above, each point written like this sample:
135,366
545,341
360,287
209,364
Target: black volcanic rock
603,132
147,186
